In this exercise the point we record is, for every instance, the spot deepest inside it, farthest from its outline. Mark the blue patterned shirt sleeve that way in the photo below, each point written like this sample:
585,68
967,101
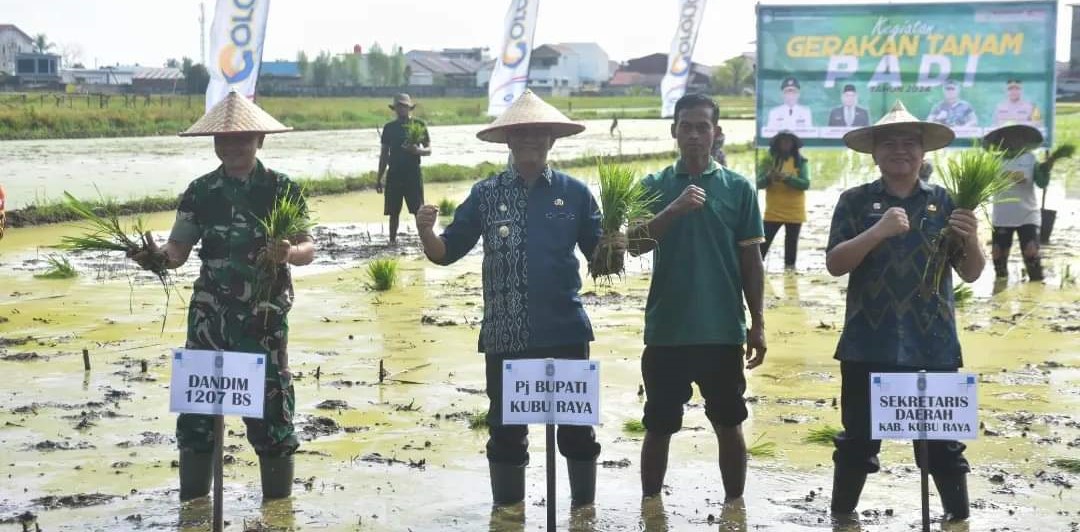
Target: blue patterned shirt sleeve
843,226
464,232
589,231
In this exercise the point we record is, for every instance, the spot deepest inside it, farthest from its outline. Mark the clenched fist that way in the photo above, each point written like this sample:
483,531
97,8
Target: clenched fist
893,223
426,217
691,199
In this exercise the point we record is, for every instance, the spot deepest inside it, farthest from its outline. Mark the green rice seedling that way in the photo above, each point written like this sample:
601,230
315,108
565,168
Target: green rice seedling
59,268
1063,151
106,233
382,274
447,207
972,179
633,426
286,220
763,449
962,293
624,201
415,132
1071,465
822,435
477,420
1067,278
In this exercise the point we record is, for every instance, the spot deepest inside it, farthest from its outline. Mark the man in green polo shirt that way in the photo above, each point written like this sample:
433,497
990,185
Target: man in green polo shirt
705,236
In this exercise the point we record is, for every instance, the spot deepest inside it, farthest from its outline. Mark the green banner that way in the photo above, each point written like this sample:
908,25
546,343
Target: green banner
824,70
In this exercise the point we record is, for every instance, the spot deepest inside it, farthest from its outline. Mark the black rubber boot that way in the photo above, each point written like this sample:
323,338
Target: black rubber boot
196,473
1034,268
277,476
582,481
507,483
1001,268
952,488
847,486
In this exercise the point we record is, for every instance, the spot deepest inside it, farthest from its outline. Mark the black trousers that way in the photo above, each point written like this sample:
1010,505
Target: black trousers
509,444
855,449
791,240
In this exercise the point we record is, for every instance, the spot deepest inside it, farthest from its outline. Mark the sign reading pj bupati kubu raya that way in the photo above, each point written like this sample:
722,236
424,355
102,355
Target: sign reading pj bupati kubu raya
923,406
824,70
551,391
217,382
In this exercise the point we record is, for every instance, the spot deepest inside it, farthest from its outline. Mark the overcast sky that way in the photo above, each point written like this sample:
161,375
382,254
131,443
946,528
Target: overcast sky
148,32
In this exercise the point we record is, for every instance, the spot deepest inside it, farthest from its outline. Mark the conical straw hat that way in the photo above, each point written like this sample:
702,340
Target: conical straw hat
530,110
235,114
1028,135
934,136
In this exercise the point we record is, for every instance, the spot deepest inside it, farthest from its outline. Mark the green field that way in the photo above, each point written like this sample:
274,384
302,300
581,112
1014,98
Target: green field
44,116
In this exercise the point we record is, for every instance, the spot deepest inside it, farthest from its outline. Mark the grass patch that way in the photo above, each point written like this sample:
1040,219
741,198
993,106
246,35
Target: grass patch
760,449
633,426
382,274
1071,465
477,420
822,435
962,293
59,268
447,207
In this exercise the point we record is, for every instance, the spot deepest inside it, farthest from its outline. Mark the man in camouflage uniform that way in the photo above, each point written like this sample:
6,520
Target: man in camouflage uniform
235,307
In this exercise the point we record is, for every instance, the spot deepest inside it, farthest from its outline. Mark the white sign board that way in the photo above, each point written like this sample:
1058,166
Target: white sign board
923,406
551,391
217,382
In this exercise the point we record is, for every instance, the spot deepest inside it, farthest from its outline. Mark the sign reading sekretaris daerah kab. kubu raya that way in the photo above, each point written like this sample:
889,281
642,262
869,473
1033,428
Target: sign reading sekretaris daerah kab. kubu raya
923,406
826,69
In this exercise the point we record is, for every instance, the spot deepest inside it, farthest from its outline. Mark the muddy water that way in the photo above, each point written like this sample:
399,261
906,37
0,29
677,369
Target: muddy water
400,455
139,167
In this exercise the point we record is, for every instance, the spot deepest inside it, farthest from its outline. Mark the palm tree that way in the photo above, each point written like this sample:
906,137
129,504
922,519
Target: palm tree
42,44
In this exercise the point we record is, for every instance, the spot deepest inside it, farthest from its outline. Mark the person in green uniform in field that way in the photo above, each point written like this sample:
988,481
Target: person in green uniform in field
404,142
228,311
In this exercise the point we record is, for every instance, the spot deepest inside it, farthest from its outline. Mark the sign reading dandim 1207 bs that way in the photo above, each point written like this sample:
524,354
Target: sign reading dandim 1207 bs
823,70
217,382
923,406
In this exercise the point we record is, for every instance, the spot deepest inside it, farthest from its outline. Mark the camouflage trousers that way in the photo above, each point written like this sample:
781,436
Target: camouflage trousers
214,327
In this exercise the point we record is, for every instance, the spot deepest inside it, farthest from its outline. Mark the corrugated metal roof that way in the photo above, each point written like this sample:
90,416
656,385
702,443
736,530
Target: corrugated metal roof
162,73
282,69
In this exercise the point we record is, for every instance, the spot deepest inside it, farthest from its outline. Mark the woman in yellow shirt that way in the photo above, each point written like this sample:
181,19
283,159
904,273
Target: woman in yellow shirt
785,176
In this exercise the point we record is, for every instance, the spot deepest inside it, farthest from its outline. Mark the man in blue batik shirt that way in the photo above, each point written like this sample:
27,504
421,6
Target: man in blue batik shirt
531,218
883,235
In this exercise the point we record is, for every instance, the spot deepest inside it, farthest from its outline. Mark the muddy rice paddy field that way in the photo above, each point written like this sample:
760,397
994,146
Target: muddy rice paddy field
96,450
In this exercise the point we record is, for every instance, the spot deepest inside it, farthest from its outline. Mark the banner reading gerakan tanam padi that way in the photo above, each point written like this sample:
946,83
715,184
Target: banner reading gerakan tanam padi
824,70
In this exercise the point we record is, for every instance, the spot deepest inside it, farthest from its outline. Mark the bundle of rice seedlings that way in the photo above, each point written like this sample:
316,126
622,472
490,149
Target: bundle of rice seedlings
288,218
624,201
447,207
382,274
1071,465
1063,151
415,132
972,179
822,435
106,233
59,268
633,426
962,293
763,449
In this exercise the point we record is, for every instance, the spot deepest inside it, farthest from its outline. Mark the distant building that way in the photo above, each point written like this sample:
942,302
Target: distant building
157,80
563,68
13,41
107,76
275,75
34,68
1074,49
449,68
647,71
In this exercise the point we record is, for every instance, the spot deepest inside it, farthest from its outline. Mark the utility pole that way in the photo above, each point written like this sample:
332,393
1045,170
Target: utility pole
202,32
